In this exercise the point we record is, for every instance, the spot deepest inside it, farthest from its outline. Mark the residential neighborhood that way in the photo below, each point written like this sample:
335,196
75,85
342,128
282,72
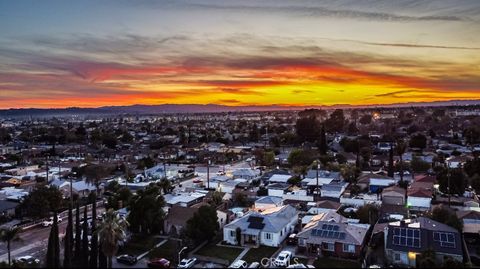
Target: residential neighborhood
338,188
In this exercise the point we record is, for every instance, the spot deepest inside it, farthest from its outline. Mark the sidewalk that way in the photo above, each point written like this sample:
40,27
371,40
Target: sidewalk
141,256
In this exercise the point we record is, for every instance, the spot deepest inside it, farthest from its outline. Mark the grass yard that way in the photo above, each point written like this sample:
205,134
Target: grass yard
335,263
257,254
300,260
225,253
139,244
169,251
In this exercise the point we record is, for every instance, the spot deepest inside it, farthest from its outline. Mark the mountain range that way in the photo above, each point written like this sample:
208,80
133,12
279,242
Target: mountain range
198,108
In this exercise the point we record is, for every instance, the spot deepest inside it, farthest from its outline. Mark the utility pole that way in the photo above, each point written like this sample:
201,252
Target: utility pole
46,163
208,173
448,183
318,168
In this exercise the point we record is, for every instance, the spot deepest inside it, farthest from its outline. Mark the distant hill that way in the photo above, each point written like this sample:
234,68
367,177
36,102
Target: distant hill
196,108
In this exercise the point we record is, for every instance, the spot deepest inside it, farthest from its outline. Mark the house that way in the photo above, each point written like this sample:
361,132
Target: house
457,161
404,240
471,224
420,195
276,178
374,182
331,234
277,189
268,202
323,207
267,228
393,195
177,218
245,173
7,208
333,189
82,188
185,199
324,177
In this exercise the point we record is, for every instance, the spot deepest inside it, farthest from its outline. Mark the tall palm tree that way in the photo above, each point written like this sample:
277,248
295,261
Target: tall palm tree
8,236
400,149
111,231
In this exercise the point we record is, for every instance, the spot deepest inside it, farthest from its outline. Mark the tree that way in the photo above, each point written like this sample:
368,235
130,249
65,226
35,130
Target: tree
368,214
323,148
94,239
94,173
447,217
299,157
366,119
238,235
418,141
350,173
84,257
203,225
53,250
426,259
268,158
111,231
240,199
307,128
391,169
165,185
419,165
9,235
78,234
457,181
400,149
336,121
68,245
41,201
146,210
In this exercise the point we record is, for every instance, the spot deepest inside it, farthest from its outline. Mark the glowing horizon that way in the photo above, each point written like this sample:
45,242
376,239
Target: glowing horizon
291,53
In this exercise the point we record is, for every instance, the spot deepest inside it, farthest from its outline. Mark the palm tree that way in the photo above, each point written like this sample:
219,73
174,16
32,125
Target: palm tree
111,231
400,149
8,236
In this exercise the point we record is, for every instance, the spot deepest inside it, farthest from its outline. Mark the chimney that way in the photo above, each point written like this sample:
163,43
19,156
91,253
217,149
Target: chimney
402,223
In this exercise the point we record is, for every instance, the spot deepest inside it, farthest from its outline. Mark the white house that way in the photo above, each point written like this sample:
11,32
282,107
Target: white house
276,178
268,202
333,189
268,228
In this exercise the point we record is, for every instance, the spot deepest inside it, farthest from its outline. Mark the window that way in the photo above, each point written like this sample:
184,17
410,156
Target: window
232,233
329,246
397,257
268,236
445,239
348,248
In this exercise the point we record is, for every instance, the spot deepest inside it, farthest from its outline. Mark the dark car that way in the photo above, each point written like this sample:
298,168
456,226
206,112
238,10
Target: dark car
158,263
127,259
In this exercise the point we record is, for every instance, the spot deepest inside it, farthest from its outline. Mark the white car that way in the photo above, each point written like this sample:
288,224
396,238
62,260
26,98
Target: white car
283,259
239,264
254,265
29,260
187,263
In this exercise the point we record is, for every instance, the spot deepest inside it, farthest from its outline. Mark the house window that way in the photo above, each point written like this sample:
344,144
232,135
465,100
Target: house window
348,248
445,239
268,236
329,246
232,233
397,257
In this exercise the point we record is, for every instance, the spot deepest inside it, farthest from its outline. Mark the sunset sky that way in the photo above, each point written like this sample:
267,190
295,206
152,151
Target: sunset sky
102,53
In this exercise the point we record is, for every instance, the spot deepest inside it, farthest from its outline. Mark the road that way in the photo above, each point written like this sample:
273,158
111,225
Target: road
34,241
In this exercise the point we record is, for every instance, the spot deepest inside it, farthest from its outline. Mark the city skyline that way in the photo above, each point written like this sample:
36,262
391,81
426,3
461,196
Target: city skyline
56,54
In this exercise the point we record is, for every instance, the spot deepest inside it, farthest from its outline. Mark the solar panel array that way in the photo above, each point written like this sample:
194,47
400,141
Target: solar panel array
329,231
255,222
446,239
406,237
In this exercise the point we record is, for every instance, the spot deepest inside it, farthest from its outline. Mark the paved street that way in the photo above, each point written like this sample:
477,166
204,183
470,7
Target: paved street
34,241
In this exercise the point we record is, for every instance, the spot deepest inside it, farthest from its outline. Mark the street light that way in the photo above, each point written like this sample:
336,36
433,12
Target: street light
180,253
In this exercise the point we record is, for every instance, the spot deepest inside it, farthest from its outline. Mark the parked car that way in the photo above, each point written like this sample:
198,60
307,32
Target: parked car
239,264
254,265
187,263
197,180
292,239
49,222
28,260
158,263
127,259
283,259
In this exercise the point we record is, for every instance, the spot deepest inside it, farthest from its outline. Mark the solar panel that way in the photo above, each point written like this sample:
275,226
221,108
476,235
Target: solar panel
335,228
342,236
446,239
256,225
324,226
406,237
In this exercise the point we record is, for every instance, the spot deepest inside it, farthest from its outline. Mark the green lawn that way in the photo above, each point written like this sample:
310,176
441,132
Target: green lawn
335,263
139,244
225,253
257,254
169,251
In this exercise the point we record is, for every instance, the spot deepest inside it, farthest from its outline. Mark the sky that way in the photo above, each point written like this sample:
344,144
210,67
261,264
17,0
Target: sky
57,54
